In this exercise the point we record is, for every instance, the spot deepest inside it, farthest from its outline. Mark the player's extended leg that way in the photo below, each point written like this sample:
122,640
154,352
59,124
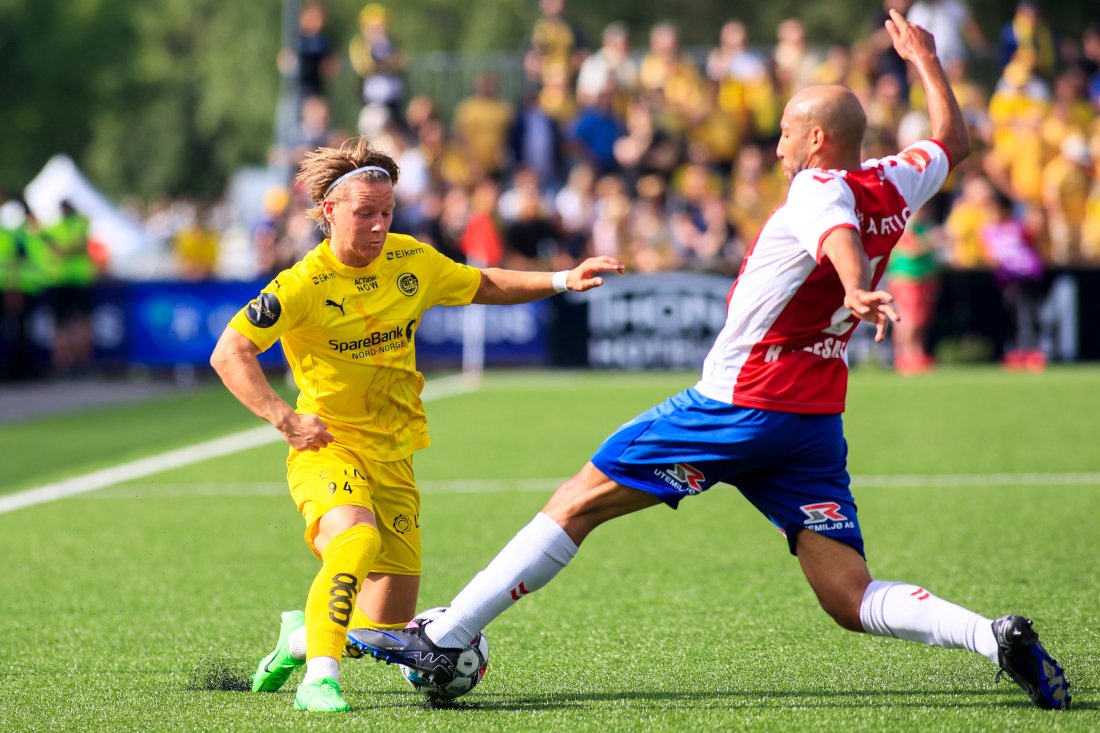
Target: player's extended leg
387,600
348,541
391,599
529,561
589,499
388,597
839,577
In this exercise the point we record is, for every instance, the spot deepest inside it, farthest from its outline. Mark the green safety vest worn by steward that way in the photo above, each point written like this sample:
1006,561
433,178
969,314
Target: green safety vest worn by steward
74,266
24,261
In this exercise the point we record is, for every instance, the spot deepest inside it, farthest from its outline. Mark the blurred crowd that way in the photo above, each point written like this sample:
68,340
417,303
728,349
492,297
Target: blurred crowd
664,156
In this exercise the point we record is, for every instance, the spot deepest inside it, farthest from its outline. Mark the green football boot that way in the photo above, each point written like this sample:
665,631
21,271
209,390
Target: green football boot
320,696
275,668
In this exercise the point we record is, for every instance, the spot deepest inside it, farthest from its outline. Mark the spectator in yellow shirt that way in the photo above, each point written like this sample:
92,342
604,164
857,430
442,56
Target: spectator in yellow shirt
969,216
1066,182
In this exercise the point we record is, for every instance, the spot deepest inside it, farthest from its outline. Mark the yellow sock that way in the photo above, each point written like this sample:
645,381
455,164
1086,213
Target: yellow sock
331,601
360,620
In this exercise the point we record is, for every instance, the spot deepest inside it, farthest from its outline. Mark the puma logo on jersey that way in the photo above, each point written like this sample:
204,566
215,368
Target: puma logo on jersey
339,305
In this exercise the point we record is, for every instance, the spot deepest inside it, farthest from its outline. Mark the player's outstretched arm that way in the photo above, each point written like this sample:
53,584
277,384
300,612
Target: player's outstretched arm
508,287
845,251
916,45
236,360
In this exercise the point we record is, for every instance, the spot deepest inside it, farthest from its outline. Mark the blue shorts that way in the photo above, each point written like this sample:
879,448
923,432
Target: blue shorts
791,467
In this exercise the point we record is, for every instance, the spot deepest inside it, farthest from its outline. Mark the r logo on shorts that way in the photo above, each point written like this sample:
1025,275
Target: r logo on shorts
790,466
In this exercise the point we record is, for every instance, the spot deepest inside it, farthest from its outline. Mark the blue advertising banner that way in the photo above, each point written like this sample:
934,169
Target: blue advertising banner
665,321
169,323
513,335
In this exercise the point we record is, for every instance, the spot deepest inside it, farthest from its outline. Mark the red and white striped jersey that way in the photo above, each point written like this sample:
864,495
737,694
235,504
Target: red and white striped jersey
784,345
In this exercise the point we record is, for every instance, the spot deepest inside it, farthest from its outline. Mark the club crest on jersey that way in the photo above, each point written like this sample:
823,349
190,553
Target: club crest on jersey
407,283
263,311
683,477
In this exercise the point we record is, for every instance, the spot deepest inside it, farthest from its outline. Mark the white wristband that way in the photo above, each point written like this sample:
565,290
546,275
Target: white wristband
560,281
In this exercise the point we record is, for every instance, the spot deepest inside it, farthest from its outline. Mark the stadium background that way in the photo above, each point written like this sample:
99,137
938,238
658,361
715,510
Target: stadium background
140,600
175,127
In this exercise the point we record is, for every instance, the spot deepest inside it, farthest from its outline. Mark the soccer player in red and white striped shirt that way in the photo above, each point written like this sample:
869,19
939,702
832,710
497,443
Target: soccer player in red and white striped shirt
766,414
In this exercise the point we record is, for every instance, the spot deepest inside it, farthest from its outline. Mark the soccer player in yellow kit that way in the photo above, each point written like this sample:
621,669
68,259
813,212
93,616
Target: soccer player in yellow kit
347,315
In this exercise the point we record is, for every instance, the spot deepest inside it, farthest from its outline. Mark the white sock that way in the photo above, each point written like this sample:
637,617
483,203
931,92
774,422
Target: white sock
321,667
296,644
908,612
529,561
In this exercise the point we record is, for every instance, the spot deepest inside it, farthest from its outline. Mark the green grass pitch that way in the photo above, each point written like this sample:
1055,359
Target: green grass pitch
121,608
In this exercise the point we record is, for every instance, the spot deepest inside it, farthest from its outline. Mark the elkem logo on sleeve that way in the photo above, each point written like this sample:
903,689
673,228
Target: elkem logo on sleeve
264,311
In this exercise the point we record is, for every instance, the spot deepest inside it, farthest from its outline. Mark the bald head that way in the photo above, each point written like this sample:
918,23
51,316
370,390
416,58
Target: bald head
822,127
835,110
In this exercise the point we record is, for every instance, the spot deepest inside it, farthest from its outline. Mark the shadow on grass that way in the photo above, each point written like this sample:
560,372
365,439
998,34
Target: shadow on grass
770,700
227,675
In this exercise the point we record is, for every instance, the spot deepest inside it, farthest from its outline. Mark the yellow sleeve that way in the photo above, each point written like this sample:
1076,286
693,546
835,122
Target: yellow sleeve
452,283
271,313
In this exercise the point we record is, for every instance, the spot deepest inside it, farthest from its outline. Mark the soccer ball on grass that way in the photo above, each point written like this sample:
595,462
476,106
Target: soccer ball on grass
469,669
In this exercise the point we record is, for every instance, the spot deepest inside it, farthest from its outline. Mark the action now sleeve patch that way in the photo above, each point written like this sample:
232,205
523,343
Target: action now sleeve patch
264,311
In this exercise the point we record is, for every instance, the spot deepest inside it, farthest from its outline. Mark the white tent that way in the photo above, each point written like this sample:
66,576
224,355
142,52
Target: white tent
61,180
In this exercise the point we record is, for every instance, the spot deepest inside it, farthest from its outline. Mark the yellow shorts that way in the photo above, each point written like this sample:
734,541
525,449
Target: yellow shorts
334,476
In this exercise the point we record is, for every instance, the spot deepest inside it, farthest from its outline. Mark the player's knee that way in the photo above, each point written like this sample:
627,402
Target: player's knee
844,616
358,539
577,507
842,605
338,520
567,502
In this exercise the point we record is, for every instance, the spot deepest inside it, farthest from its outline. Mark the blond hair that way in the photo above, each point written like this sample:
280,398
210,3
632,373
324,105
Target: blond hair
323,166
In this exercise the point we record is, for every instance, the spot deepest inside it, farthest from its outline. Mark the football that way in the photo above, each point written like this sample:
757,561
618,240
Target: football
468,671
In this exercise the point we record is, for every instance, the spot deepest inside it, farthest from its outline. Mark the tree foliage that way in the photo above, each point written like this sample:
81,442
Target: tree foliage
170,96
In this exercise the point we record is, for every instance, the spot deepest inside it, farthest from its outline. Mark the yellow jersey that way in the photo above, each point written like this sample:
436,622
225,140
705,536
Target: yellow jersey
348,335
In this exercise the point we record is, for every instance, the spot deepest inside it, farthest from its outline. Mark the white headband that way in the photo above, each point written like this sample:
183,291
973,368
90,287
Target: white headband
349,174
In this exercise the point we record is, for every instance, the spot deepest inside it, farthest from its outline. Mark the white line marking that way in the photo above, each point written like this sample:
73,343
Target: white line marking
548,485
977,479
239,490
251,438
140,468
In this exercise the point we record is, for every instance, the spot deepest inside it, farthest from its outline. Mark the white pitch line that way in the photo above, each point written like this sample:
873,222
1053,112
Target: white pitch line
963,480
140,468
229,444
239,490
547,485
